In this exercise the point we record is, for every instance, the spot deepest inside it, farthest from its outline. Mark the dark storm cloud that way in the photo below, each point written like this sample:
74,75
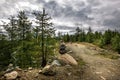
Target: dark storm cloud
114,22
94,13
68,12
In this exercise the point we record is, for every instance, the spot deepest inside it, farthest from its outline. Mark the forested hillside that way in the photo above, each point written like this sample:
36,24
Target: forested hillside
109,39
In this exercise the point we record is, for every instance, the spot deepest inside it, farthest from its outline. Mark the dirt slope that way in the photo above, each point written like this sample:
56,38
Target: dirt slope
99,68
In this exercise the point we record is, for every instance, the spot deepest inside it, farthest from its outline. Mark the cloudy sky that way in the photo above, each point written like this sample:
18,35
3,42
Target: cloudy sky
67,14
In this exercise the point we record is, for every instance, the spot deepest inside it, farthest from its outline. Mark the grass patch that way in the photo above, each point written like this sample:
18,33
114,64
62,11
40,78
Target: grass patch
81,62
110,55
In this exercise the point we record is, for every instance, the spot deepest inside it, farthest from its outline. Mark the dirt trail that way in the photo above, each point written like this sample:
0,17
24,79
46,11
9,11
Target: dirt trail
99,67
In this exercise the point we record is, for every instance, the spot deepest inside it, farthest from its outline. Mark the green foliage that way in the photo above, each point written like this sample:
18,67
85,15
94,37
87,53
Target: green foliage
66,37
82,37
24,26
116,43
89,37
5,52
101,42
107,37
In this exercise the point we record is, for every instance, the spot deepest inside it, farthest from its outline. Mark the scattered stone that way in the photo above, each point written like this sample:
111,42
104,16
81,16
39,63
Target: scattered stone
17,68
30,71
12,75
30,68
10,68
102,78
10,65
67,65
49,70
36,75
69,74
46,68
98,72
56,62
109,71
40,71
25,70
70,51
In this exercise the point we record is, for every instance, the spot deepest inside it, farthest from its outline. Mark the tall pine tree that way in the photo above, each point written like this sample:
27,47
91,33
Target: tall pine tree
47,30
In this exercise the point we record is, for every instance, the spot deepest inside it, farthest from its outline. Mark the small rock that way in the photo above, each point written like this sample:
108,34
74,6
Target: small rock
17,68
25,70
10,65
47,67
30,68
108,71
67,65
30,71
70,52
12,75
98,72
36,75
49,70
69,74
10,68
40,71
102,78
56,62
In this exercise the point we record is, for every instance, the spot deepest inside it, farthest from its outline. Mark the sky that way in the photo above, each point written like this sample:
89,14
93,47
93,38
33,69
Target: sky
66,15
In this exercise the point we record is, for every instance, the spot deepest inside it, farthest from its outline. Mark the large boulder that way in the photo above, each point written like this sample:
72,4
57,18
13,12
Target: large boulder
68,59
11,75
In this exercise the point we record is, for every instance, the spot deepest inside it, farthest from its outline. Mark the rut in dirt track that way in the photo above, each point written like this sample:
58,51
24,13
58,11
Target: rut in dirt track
102,68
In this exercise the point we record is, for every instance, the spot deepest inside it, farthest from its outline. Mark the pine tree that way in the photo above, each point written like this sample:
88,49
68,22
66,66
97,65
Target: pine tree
82,36
107,36
47,30
116,43
24,25
89,37
24,31
77,34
